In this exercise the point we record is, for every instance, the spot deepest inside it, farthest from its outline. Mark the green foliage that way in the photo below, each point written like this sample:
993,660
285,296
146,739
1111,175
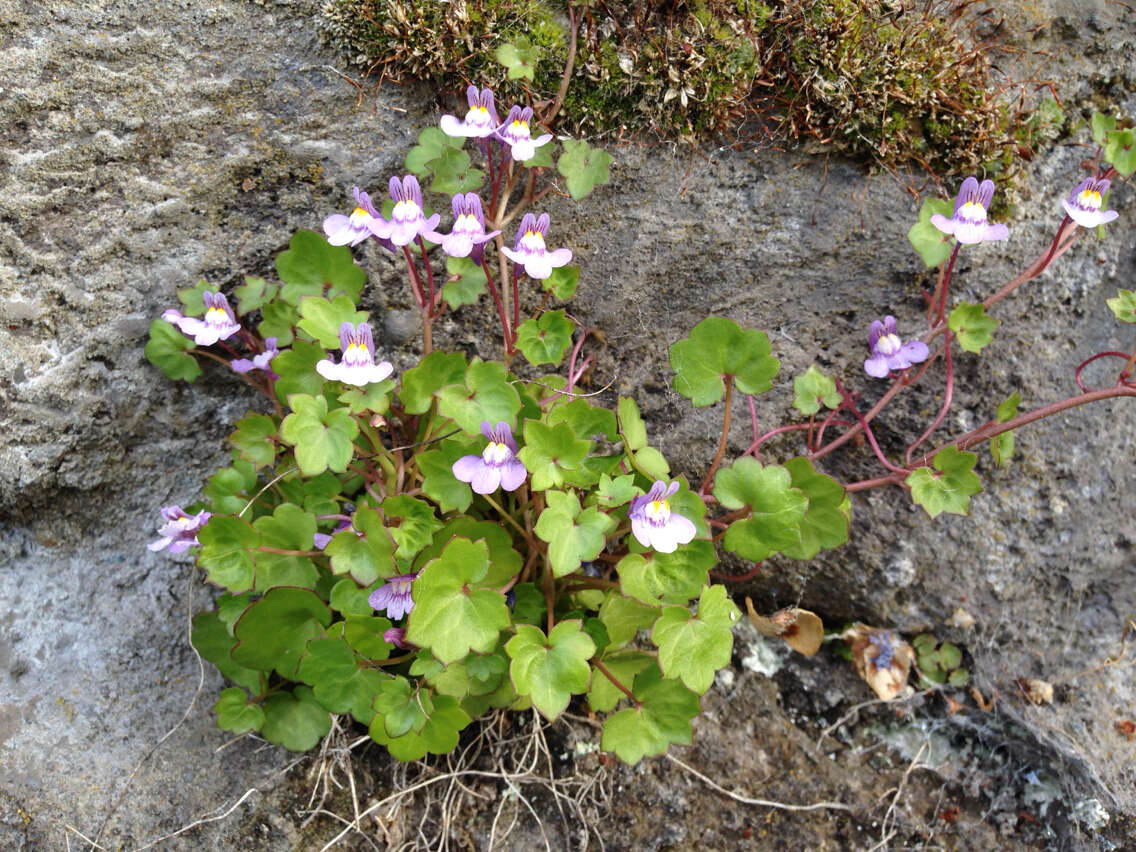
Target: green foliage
938,663
166,349
583,167
519,57
1120,150
932,244
660,719
466,282
693,648
776,508
545,340
1123,306
974,328
322,438
718,348
550,669
574,535
321,319
313,267
825,524
485,395
947,488
254,294
812,389
1002,446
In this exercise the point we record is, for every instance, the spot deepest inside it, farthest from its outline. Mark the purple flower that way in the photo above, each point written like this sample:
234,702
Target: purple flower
889,352
351,230
179,532
322,540
219,322
394,597
654,524
397,636
529,250
480,121
407,219
516,134
968,224
357,366
1084,203
497,466
469,227
260,361
884,643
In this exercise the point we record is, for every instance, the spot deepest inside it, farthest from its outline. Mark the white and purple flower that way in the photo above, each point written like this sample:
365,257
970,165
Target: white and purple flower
497,466
889,352
654,524
357,365
468,233
516,134
530,252
407,220
479,122
1085,202
351,230
219,322
260,361
968,224
179,532
394,596
397,636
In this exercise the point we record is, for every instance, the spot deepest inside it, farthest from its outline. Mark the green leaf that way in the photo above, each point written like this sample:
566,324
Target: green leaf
672,578
374,397
551,669
322,438
278,319
166,349
311,265
610,492
193,299
1123,306
295,719
273,633
959,678
551,451
545,340
583,167
813,388
948,490
228,489
435,371
338,682
438,480
486,394
213,642
1120,150
974,329
449,617
624,617
950,657
662,719
347,598
452,172
504,562
438,733
466,282
297,370
365,550
321,319
573,536
825,524
364,634
564,279
777,508
717,348
1102,126
226,552
693,648
254,294
587,421
932,244
431,143
631,425
253,439
519,57
542,159
234,713
603,695
288,528
416,527
1002,446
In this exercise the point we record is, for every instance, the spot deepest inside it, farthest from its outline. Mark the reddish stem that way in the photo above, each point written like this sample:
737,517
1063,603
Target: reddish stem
948,392
602,669
725,436
1086,362
737,578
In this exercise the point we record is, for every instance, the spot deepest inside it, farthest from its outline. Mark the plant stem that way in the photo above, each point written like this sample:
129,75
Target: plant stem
725,436
569,63
602,669
948,393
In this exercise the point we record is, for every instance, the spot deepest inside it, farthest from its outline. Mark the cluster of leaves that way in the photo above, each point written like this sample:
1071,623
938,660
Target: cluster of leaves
887,86
938,663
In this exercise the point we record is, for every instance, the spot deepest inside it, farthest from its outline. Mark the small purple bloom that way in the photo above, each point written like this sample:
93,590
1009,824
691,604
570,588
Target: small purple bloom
884,643
968,224
322,540
357,367
1084,203
469,227
479,122
497,466
394,597
260,361
351,230
407,219
654,524
397,636
179,532
516,134
219,322
529,250
889,352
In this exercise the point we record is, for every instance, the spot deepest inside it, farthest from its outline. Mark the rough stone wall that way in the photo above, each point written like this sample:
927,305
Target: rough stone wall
147,145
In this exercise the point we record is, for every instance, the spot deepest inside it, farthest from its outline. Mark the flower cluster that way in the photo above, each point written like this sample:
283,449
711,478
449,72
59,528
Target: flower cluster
481,122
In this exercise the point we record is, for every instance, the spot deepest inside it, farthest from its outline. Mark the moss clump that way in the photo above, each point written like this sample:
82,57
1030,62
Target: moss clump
877,81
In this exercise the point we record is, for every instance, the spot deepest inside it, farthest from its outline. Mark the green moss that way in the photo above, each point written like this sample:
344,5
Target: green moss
886,87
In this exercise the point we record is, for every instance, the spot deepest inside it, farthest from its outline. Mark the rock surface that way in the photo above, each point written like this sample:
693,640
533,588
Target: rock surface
148,145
